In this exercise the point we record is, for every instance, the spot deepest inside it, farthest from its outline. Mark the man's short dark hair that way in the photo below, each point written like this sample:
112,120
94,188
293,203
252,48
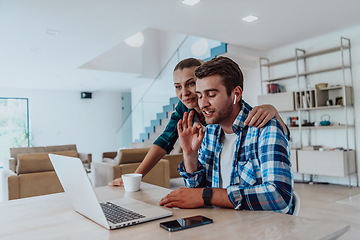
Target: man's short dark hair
188,63
229,71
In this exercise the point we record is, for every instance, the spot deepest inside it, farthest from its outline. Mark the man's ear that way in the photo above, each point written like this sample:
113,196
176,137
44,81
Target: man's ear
237,94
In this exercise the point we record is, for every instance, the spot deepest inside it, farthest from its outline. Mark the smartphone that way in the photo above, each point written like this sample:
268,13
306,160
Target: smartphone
185,223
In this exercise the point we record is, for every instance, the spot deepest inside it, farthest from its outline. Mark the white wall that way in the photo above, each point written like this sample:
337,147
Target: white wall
252,79
62,117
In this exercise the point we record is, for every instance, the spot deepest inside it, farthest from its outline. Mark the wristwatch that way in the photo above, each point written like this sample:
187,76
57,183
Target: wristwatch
206,195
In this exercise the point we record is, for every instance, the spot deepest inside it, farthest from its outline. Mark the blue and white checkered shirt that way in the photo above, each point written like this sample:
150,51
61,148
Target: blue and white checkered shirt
261,177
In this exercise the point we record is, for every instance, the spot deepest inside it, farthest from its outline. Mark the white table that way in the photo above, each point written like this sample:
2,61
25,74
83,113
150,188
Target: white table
51,217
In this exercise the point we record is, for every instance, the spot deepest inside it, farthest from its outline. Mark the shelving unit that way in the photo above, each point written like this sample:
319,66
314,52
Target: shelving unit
308,100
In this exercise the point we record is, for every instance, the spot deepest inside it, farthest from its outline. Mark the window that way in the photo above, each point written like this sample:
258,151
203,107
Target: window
14,125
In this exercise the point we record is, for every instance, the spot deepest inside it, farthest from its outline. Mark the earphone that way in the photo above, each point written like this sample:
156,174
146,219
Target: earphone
235,100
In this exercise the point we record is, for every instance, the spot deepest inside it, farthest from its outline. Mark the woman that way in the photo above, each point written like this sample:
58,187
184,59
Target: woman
185,88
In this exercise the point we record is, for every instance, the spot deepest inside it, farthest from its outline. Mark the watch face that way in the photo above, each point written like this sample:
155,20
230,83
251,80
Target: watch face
206,195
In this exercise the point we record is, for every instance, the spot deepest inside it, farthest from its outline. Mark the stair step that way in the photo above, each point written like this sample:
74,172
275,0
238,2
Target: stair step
165,121
160,129
151,139
168,108
141,144
154,135
144,136
155,123
161,115
174,101
150,129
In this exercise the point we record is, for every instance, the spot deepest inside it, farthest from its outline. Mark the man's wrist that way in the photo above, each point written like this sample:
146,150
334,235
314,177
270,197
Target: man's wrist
207,195
191,162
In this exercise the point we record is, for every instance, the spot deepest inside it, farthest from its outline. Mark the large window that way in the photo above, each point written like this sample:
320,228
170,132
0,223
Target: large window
14,125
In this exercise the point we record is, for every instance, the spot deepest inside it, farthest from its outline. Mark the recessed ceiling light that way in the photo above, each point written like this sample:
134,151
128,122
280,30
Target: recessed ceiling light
190,2
250,18
52,32
35,49
135,40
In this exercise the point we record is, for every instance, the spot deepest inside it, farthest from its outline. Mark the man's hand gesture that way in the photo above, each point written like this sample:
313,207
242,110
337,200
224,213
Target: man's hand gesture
191,136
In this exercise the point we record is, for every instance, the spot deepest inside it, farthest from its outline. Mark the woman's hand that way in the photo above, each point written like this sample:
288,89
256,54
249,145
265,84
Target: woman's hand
118,182
260,115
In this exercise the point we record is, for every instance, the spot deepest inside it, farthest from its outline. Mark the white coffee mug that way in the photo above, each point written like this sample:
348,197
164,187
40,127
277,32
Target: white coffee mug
131,181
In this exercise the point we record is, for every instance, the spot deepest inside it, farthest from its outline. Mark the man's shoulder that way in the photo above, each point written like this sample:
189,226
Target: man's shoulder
272,126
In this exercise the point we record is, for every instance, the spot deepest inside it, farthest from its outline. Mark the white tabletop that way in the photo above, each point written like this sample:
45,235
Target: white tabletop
51,217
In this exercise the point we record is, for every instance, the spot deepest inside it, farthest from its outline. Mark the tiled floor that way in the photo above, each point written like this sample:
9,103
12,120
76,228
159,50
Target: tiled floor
353,201
331,203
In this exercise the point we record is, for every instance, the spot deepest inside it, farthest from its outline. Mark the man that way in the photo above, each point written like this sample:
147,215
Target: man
231,165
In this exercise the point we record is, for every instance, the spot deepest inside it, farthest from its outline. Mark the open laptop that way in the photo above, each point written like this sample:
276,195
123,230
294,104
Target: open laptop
112,214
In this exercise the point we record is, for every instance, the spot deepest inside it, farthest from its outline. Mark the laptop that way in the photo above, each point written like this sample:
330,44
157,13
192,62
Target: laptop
112,214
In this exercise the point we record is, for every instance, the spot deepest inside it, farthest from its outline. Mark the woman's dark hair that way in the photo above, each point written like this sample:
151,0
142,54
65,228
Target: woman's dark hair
229,71
188,63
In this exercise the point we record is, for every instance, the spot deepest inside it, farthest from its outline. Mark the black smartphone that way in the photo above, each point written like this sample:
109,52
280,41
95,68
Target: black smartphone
184,223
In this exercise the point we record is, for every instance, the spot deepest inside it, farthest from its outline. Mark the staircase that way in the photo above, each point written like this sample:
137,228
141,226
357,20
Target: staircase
158,125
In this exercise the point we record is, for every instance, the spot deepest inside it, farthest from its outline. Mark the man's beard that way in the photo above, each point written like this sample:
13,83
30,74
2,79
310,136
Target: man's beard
221,115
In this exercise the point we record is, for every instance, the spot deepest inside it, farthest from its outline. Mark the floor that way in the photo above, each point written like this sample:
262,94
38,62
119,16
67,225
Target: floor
325,201
331,203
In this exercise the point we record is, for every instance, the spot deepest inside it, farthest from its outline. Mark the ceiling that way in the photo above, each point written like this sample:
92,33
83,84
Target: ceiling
46,44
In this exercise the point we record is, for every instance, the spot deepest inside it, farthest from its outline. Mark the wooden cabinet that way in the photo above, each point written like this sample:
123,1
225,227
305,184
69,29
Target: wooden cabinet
320,85
293,160
282,101
328,163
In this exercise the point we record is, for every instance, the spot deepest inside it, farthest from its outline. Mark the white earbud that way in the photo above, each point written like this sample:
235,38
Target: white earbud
235,100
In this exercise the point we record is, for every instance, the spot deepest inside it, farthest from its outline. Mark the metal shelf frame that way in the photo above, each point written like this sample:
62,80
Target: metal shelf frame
301,76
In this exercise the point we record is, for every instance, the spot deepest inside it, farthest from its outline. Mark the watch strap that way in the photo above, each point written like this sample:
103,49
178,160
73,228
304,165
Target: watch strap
206,195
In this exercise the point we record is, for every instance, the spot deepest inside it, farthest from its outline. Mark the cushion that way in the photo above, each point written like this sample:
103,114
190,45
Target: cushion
36,184
60,148
174,161
132,155
109,160
14,152
38,162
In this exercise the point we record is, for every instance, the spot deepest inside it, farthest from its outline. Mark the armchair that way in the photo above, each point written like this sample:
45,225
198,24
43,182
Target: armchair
123,161
174,161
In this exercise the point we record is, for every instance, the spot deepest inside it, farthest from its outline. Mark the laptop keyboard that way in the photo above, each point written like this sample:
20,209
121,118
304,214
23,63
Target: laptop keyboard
116,214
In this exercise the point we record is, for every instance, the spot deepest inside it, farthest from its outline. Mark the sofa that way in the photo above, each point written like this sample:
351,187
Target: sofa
114,164
34,176
86,158
174,161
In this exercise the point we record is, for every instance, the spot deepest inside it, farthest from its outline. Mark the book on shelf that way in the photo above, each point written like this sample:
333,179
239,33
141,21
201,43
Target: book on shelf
275,88
304,101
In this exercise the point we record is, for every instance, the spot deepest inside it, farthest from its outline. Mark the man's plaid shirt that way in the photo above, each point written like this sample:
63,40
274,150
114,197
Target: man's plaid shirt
261,177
